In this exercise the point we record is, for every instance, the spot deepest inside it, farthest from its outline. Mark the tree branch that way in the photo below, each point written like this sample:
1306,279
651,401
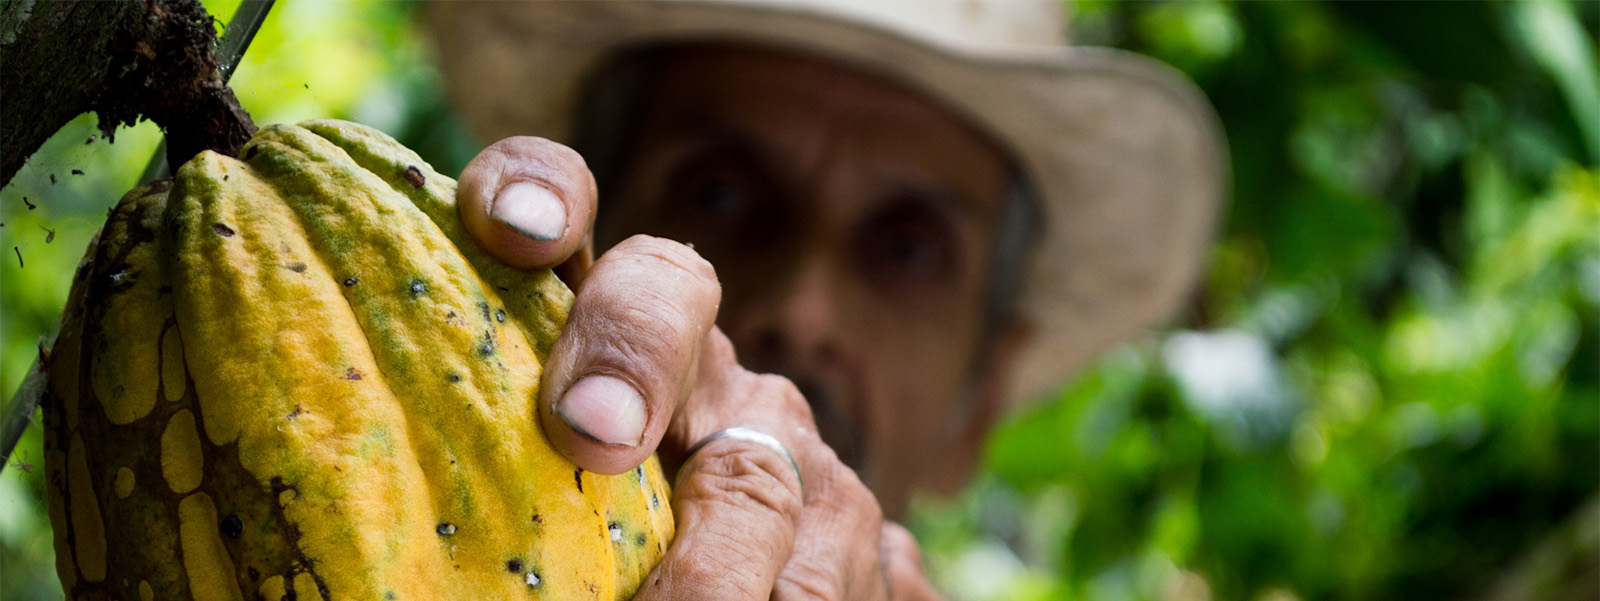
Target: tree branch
123,60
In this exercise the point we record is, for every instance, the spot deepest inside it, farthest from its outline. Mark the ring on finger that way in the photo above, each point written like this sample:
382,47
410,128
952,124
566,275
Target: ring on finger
750,435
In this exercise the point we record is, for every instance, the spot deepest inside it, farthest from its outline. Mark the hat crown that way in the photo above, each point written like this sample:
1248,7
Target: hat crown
955,22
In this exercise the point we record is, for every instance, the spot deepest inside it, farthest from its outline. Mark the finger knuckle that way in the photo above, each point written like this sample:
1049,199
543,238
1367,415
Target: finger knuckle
515,145
633,300
531,158
634,332
733,474
842,493
897,537
535,148
786,395
804,581
719,353
670,254
707,576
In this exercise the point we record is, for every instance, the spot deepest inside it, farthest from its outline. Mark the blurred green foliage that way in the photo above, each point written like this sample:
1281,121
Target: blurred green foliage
1387,388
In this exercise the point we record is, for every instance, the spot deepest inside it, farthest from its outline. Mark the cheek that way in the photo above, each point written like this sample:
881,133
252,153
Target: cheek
920,369
913,395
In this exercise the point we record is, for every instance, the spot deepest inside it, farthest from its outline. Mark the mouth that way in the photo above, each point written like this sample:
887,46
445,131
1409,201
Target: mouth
837,424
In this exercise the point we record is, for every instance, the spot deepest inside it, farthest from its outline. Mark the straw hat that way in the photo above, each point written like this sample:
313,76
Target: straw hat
1124,154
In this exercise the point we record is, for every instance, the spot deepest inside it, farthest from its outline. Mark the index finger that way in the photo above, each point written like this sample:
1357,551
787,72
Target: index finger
626,360
529,202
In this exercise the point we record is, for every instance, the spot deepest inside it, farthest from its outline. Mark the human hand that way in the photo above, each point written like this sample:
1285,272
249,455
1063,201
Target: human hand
641,368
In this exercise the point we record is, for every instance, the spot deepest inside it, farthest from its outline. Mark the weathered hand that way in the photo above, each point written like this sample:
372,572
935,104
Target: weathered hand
642,368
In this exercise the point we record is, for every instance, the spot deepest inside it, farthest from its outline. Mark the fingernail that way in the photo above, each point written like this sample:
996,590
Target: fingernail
531,209
605,409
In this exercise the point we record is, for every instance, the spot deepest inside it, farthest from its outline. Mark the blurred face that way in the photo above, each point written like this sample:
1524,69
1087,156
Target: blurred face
852,224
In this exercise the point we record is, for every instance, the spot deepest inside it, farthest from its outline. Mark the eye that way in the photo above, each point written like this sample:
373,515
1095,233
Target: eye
719,196
716,196
912,249
908,247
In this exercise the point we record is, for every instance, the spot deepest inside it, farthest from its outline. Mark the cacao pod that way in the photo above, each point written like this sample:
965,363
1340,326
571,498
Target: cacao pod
295,376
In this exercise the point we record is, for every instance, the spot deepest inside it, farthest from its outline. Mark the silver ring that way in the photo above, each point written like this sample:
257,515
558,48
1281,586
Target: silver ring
749,435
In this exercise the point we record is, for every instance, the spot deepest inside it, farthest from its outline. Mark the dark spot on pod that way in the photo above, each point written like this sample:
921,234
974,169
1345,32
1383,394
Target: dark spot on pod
297,267
232,526
445,529
655,501
615,531
453,377
485,308
250,153
278,487
389,596
500,315
577,476
514,565
224,177
639,540
418,287
293,414
414,176
350,282
77,172
352,374
538,519
52,179
638,472
89,141
222,230
486,348
254,574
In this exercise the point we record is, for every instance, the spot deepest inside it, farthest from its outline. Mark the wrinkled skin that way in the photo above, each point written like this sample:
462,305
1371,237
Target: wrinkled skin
868,218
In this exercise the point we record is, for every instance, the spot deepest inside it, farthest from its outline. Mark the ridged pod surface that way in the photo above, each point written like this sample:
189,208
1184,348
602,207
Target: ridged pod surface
294,376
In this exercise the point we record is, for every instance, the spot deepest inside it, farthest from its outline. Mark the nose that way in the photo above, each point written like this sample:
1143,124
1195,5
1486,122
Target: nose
793,325
797,328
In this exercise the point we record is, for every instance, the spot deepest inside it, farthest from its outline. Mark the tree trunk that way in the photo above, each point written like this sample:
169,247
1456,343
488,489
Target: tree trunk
122,60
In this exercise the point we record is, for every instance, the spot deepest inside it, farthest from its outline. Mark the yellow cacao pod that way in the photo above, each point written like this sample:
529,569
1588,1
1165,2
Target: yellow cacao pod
294,376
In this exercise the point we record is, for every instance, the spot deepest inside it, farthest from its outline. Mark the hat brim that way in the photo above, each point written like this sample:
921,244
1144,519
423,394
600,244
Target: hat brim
1124,154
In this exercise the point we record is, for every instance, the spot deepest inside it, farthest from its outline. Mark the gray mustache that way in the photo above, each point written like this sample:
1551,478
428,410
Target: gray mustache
834,420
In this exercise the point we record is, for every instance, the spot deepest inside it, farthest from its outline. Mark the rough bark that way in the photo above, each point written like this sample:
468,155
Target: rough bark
122,60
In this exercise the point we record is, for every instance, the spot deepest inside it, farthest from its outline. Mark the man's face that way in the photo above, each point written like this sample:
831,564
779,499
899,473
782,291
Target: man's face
852,224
